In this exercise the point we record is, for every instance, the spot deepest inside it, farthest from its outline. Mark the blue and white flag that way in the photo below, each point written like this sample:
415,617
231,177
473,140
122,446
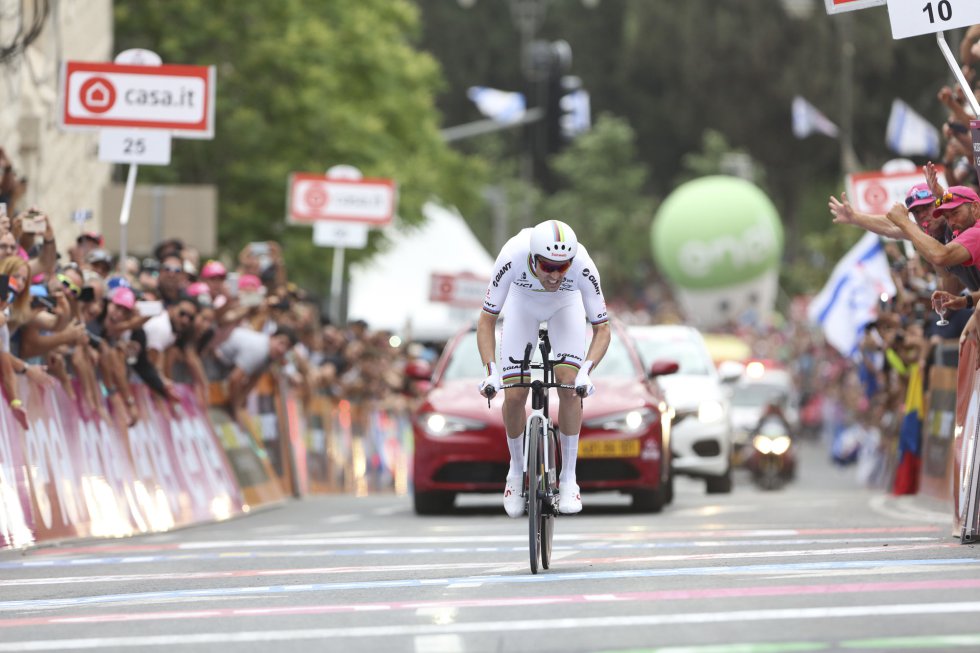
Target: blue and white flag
501,106
807,120
909,133
849,300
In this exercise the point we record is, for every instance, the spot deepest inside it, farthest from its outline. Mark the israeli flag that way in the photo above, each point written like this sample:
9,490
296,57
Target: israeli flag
908,133
501,106
807,120
849,300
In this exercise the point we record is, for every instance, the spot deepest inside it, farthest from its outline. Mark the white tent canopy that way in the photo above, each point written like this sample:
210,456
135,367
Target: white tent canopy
391,290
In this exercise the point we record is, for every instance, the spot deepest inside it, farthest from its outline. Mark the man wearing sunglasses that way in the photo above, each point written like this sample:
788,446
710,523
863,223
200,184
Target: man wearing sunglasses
920,204
960,205
544,275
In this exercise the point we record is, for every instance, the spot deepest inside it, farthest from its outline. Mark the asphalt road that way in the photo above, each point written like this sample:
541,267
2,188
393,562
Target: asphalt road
821,565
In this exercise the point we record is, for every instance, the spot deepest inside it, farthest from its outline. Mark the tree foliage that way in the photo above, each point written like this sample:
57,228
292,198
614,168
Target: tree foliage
605,201
302,86
680,72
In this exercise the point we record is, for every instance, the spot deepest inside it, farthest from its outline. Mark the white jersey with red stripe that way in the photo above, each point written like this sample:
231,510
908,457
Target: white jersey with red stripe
514,272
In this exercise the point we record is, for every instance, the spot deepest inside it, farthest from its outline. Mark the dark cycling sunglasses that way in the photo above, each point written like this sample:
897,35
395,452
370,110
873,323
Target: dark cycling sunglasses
548,267
916,196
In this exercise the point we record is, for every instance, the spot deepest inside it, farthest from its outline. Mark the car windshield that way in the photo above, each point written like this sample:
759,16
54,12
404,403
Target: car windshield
690,358
758,394
465,361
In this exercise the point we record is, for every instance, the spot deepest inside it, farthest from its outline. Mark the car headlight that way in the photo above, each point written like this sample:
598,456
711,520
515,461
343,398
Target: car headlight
631,421
438,425
710,411
777,445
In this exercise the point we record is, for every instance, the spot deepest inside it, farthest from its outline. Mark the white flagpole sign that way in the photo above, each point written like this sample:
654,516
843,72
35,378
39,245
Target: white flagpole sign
918,17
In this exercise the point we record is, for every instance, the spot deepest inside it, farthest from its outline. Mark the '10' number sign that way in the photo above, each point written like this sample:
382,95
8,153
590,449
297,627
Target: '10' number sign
917,17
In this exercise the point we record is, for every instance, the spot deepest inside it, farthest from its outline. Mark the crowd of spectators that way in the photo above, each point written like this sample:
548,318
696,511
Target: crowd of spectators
934,261
77,316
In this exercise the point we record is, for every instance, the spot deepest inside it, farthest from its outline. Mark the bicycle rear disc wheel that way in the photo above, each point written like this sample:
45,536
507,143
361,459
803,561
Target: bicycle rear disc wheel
534,496
547,516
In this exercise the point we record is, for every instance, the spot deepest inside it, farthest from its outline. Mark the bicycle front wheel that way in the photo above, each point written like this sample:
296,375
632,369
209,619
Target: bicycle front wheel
549,483
535,466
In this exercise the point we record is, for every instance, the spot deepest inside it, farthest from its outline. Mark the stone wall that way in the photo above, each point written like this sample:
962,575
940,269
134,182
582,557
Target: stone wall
62,168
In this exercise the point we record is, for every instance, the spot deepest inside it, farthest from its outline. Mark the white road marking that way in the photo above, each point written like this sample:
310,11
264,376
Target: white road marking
897,508
342,519
595,624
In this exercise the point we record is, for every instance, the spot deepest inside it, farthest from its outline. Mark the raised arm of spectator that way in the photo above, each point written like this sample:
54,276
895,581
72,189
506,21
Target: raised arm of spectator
955,104
932,178
931,249
240,384
844,213
10,388
35,343
47,261
146,370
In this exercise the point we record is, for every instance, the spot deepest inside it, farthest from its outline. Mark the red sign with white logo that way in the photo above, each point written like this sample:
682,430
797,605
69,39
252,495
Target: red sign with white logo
875,192
314,197
464,290
179,99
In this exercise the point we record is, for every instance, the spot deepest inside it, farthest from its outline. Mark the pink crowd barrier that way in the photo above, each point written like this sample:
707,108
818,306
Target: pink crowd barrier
77,473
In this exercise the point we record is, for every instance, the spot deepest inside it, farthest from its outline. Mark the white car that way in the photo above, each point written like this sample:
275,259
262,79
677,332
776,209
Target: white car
701,430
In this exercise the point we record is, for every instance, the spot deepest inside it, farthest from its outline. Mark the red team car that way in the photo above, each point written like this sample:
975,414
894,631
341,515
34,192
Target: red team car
460,445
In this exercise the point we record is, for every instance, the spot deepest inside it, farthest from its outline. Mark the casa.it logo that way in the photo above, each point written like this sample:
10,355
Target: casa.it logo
97,95
316,197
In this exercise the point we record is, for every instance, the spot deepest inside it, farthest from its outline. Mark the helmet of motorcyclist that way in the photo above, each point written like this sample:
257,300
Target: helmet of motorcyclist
553,240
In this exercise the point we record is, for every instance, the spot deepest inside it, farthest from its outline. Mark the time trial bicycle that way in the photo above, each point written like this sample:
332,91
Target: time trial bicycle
542,454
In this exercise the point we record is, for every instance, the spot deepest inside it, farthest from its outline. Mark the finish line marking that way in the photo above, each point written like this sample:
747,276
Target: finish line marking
562,558
198,594
634,597
319,553
597,624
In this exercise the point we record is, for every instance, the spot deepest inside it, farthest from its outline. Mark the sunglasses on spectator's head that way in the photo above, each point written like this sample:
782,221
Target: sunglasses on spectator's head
176,269
69,286
948,197
548,267
916,196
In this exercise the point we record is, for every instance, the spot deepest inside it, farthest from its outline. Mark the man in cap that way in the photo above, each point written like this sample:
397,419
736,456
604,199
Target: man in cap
84,244
100,261
960,205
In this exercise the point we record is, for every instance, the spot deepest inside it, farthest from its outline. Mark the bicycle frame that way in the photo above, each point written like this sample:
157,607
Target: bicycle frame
539,491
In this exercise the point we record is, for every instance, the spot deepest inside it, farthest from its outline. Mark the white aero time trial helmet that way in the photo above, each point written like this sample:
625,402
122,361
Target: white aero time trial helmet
553,240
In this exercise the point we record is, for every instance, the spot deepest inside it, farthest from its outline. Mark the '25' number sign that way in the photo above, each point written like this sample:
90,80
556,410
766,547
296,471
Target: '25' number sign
917,17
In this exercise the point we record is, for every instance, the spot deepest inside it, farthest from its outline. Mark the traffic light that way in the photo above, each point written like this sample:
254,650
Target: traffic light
568,111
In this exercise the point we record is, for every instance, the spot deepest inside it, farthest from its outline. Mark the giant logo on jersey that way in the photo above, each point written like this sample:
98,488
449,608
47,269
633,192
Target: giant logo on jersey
587,273
500,273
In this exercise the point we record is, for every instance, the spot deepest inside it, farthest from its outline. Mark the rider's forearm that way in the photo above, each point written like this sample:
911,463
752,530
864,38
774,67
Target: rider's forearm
600,343
486,340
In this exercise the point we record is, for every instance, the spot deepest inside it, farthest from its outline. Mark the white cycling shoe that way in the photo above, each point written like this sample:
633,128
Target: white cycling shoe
569,499
513,501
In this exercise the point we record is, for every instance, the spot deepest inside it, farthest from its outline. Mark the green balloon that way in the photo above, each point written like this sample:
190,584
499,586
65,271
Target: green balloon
715,232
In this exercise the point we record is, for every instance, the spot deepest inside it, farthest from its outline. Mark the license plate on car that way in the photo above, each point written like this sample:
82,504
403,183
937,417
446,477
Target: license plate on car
609,449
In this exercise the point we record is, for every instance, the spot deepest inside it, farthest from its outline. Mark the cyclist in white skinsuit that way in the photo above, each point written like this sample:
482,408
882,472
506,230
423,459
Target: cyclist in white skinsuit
543,275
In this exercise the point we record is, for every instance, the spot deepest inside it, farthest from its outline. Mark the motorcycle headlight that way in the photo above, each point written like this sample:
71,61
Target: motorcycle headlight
777,444
631,421
439,425
710,411
762,444
780,444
